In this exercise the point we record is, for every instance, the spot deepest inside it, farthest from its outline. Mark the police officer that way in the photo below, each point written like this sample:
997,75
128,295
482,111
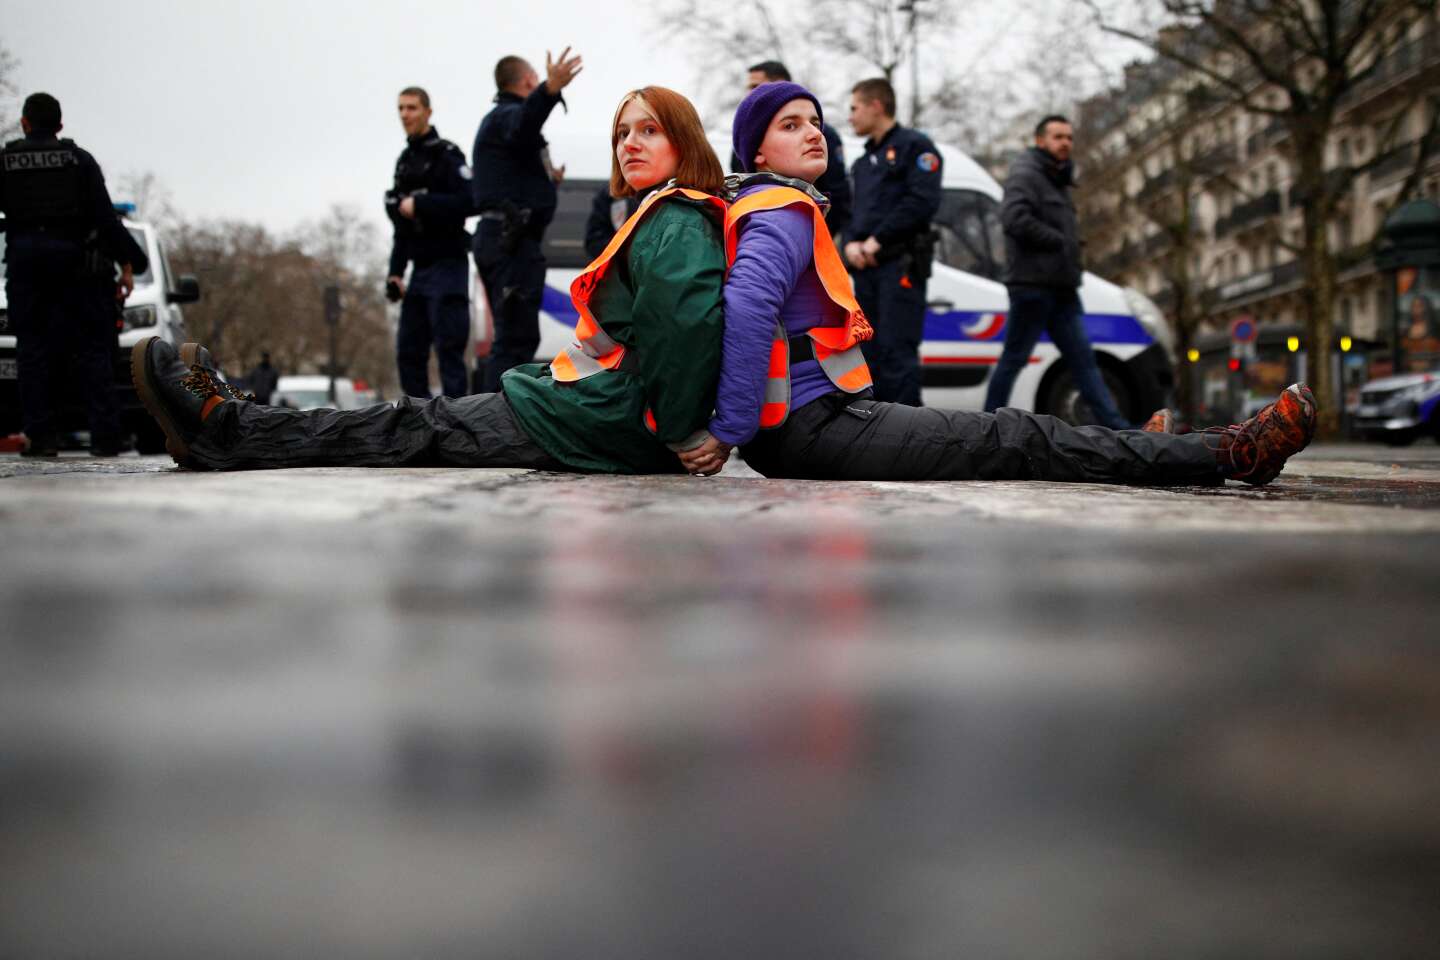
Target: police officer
515,197
888,245
64,244
428,205
607,215
834,182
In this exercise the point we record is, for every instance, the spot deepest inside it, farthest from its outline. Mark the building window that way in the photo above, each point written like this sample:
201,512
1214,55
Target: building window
1344,151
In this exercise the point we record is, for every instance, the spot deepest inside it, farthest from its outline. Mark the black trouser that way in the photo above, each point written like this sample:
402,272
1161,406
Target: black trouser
840,437
475,431
64,322
514,285
897,313
436,311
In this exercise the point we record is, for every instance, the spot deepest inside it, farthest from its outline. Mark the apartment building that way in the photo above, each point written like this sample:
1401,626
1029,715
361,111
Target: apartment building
1182,193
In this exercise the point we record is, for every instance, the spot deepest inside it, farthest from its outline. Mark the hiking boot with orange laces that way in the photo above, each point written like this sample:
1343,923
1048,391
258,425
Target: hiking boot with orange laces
1255,451
193,354
178,396
1161,421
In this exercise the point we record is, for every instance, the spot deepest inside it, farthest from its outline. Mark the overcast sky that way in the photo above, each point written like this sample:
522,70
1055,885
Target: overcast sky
272,111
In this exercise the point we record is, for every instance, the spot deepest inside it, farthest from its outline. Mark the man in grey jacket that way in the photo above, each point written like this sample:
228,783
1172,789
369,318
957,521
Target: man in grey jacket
1043,271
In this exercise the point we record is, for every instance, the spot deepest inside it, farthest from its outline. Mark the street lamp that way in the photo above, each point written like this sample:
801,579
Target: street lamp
912,8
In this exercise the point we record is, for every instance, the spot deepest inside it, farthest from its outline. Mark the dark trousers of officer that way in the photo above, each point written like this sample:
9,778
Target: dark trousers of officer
897,312
479,430
514,285
435,312
841,437
1035,310
64,322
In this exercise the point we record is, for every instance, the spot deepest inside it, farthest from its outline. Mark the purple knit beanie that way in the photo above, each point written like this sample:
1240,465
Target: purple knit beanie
755,112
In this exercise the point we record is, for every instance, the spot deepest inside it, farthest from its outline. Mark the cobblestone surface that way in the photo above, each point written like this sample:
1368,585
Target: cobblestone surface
379,713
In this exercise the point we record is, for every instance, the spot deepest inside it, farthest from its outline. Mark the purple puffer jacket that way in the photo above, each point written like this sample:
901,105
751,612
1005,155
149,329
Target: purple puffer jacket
773,277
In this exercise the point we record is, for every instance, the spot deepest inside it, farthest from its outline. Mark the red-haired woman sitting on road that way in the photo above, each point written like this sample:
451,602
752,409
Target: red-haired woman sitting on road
637,386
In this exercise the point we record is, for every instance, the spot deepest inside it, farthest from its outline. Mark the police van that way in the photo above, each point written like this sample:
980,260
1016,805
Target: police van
967,303
152,310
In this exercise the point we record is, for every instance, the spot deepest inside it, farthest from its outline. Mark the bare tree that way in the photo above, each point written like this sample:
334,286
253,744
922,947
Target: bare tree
153,201
9,96
1194,157
262,293
725,36
1298,62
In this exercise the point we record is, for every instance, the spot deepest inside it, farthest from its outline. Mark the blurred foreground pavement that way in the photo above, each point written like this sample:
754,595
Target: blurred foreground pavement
445,713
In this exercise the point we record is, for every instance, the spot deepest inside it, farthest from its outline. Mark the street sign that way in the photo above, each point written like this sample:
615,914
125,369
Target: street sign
1242,330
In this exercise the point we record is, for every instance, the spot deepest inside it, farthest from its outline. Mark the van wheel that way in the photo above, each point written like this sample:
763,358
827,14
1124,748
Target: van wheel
1063,399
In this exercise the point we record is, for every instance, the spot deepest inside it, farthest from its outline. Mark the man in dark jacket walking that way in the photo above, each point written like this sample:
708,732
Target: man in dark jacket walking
263,380
1043,271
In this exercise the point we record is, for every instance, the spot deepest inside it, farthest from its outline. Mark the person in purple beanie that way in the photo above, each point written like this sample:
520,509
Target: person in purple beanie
794,390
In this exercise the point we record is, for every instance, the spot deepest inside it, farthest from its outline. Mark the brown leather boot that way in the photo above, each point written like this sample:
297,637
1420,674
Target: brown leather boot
1161,421
1255,451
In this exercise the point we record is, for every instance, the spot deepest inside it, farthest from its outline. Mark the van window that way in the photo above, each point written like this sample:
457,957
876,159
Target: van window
971,238
166,275
148,277
565,237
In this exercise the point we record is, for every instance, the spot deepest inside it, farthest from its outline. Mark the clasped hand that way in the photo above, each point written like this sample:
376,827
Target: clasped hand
706,459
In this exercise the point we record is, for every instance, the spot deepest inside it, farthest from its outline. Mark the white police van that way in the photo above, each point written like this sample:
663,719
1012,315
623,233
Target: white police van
152,310
965,319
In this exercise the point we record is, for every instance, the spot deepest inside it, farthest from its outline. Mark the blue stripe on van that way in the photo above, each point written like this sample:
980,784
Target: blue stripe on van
558,305
1101,327
949,326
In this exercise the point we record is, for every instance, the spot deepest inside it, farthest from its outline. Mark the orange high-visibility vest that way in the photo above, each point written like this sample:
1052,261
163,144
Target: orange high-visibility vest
593,351
836,348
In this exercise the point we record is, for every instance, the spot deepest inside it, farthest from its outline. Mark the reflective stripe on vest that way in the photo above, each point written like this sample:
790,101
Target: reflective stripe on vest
593,350
836,348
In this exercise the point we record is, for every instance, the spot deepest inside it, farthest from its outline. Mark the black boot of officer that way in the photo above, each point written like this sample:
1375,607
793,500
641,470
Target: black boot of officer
64,242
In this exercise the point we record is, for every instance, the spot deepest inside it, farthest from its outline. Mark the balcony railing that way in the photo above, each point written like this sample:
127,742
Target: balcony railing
1244,214
1407,58
1261,281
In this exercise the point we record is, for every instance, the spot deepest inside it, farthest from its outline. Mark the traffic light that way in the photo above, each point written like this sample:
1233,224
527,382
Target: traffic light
1235,365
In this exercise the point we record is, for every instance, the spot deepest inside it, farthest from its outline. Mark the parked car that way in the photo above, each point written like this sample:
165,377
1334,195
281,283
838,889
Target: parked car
1397,410
965,319
152,310
310,392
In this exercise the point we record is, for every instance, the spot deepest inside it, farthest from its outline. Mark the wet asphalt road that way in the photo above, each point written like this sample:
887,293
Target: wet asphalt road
443,713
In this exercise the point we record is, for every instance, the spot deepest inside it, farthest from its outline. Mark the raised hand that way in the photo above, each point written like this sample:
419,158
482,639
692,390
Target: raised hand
559,72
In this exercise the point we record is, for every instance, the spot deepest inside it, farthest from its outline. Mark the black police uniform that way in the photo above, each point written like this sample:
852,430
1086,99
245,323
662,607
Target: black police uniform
897,193
64,240
834,183
607,215
436,309
516,201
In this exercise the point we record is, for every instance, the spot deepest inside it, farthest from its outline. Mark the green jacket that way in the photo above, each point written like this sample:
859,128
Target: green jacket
663,303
